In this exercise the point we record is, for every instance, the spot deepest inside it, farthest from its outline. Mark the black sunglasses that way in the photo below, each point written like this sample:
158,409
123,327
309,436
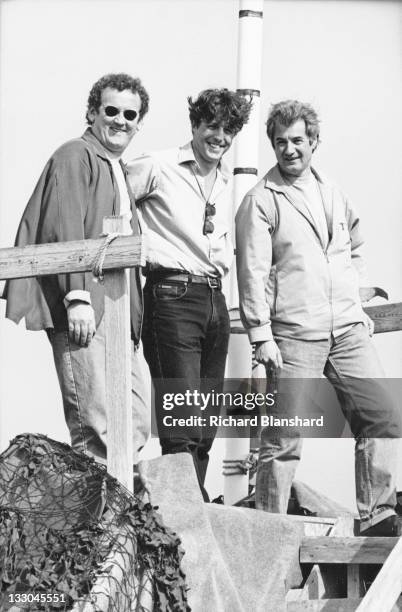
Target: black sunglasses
210,211
112,111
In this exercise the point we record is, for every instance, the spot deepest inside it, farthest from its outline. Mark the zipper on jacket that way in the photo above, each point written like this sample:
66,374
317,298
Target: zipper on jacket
275,292
331,328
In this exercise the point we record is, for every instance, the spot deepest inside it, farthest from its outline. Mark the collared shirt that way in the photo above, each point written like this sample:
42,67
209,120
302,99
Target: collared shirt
172,206
306,188
125,204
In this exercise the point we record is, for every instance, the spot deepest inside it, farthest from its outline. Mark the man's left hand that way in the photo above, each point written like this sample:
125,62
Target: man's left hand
369,323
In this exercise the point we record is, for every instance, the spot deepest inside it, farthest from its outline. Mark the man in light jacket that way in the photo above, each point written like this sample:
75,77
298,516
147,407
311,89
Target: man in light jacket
299,274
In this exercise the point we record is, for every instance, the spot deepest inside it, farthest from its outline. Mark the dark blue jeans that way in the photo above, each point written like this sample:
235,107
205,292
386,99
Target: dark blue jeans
185,336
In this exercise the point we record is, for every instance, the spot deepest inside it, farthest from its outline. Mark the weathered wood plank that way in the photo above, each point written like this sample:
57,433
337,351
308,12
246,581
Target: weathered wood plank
386,317
342,526
323,605
118,370
387,587
354,583
322,549
321,520
335,605
63,257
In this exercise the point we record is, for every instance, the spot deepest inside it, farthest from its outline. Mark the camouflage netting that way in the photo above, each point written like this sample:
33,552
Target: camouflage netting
71,534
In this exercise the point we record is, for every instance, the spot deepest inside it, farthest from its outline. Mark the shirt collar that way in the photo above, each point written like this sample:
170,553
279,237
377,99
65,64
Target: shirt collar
90,137
275,181
186,154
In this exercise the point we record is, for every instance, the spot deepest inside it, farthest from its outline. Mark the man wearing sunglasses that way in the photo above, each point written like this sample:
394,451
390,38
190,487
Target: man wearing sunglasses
184,195
84,181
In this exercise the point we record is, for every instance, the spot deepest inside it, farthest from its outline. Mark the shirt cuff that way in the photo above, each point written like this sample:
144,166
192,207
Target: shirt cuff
260,334
77,294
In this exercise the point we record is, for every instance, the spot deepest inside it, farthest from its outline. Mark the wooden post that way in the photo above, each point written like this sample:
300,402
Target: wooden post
118,369
386,588
249,62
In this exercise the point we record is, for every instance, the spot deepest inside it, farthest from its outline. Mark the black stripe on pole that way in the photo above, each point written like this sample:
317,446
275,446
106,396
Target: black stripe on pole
249,92
245,171
250,14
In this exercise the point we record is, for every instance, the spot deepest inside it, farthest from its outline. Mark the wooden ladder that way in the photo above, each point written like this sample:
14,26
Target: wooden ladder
341,563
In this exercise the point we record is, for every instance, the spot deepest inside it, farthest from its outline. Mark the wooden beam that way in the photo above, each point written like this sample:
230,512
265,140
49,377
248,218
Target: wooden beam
387,318
354,582
324,605
322,549
74,256
118,369
335,605
322,576
386,588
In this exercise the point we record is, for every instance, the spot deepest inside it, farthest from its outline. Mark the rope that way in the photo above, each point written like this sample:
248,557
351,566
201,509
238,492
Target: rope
97,266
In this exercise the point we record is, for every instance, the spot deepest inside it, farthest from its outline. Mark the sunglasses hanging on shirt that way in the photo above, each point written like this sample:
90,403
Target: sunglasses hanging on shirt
210,211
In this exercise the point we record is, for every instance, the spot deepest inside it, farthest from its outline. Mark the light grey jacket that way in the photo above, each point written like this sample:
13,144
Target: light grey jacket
290,283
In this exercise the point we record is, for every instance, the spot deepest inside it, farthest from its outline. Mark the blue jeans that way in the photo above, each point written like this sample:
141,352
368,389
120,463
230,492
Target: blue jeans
185,336
351,365
81,374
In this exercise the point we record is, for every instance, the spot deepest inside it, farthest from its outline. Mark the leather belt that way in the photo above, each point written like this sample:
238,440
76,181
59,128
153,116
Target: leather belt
185,277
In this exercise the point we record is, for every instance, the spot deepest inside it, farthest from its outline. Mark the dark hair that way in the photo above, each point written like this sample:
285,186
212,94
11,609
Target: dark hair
119,81
220,106
289,111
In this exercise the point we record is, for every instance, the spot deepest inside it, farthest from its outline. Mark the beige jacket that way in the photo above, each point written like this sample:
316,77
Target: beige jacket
290,283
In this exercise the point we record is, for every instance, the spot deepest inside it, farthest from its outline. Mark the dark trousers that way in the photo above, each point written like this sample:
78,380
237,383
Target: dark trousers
185,336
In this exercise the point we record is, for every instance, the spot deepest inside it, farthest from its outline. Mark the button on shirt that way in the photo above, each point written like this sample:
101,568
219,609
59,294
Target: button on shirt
172,207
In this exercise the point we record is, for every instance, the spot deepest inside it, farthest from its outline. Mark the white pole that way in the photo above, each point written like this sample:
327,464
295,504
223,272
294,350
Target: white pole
249,64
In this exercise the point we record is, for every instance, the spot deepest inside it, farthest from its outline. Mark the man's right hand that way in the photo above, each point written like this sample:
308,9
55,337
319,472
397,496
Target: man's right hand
269,354
81,322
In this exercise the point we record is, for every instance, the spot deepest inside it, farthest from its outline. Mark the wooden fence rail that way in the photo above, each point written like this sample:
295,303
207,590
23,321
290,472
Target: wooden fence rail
79,256
67,257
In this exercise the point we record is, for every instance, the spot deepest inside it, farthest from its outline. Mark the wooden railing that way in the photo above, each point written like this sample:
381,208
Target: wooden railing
123,252
126,252
386,318
79,256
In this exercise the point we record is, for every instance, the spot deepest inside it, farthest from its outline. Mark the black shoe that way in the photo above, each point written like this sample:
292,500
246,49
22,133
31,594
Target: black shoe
390,527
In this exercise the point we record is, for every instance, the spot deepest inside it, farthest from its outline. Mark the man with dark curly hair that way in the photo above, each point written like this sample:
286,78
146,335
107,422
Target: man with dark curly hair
300,274
184,195
84,181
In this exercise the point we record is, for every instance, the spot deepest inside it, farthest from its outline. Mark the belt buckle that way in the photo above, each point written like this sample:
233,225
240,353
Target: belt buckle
213,283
